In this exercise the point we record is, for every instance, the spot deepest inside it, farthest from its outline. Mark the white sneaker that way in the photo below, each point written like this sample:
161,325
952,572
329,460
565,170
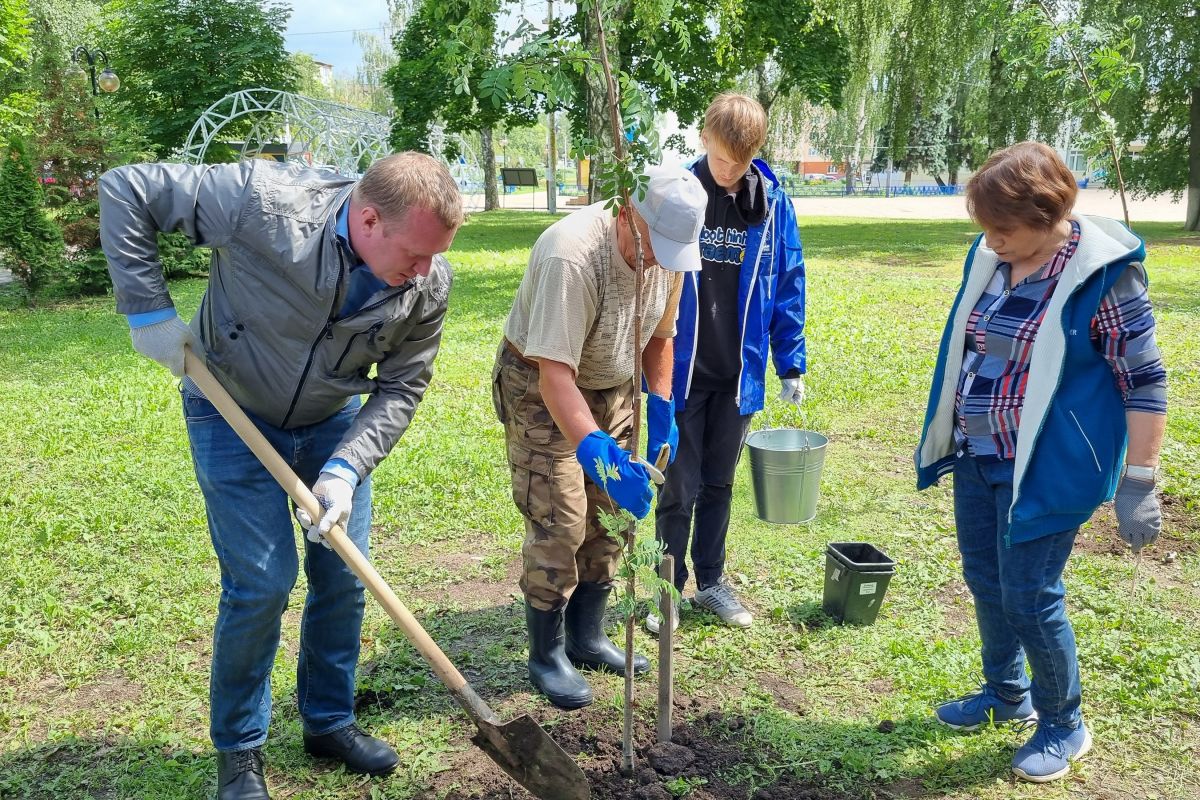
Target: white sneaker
654,622
720,599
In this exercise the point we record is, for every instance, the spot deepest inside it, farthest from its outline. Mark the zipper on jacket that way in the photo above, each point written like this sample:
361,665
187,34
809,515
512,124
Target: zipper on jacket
369,332
687,389
737,399
326,332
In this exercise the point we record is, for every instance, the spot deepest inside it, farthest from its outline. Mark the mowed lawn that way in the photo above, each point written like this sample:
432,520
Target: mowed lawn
108,587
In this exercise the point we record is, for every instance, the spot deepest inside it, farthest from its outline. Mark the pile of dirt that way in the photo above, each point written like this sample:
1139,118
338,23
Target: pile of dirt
696,764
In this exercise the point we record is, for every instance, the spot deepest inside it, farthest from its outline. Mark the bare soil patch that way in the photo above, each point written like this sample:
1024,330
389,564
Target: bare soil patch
703,753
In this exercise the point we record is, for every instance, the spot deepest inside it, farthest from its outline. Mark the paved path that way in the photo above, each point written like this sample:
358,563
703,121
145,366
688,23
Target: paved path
1091,201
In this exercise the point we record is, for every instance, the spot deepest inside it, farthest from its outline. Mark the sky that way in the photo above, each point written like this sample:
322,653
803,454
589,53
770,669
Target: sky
324,29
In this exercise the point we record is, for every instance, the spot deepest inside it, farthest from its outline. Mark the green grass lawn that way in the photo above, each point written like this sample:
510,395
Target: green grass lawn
108,586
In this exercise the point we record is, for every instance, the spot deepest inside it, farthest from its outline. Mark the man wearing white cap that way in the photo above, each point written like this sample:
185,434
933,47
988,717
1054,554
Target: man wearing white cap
564,387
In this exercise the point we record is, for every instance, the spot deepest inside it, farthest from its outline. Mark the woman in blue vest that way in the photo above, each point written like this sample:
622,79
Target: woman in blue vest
1048,398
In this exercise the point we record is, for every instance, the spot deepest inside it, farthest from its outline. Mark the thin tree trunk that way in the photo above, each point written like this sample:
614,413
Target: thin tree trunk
616,128
766,99
596,96
1192,223
852,156
491,200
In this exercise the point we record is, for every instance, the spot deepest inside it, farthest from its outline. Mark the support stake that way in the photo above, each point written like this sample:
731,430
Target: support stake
666,637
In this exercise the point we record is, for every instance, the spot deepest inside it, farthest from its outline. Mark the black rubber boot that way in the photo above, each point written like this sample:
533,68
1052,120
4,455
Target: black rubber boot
587,644
549,668
240,775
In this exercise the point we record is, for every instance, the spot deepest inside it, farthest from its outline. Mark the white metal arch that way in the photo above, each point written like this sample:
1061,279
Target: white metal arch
465,168
314,131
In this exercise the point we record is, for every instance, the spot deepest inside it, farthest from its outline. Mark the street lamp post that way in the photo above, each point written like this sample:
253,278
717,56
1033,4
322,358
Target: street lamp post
107,81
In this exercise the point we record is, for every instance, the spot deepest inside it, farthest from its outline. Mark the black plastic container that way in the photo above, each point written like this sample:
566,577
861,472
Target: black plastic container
856,576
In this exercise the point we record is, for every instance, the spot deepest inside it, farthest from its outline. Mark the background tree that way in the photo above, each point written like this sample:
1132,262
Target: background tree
176,59
1162,110
378,56
791,48
30,244
442,56
16,96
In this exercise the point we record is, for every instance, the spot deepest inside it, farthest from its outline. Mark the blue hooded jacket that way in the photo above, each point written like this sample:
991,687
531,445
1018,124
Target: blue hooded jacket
770,304
1071,444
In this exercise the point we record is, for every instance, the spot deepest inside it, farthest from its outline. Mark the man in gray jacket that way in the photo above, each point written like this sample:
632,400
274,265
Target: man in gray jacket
314,280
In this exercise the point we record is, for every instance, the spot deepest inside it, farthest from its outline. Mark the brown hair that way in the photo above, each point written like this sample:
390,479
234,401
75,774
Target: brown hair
401,181
739,122
1026,185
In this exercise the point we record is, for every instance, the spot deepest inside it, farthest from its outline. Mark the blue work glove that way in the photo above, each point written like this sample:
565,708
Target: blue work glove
660,429
601,457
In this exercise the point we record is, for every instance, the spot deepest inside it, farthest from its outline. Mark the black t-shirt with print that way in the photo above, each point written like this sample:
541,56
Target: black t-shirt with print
722,252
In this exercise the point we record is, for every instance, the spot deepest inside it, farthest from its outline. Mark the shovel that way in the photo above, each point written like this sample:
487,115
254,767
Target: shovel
521,748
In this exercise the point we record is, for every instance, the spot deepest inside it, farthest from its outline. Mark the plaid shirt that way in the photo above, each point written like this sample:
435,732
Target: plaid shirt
1000,335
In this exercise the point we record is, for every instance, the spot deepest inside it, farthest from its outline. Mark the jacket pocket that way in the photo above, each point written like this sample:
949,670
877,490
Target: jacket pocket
367,338
1086,440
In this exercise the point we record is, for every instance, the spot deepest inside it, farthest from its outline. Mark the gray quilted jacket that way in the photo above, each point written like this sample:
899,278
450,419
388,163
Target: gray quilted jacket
269,319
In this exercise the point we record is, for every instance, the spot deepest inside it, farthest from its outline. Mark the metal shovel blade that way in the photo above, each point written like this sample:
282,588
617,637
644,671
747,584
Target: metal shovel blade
531,758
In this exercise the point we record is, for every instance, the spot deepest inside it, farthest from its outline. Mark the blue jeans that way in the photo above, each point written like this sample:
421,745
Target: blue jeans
250,522
1019,593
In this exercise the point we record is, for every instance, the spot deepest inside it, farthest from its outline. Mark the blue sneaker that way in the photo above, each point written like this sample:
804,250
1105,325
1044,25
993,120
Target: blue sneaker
984,707
1048,755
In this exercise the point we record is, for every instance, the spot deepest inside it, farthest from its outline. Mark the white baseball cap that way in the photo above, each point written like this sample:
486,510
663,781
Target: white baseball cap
673,208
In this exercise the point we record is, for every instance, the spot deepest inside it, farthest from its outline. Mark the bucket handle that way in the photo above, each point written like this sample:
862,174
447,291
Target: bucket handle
803,415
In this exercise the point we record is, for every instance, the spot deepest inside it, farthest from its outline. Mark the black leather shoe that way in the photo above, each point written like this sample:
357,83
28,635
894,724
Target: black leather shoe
360,753
587,644
549,668
240,775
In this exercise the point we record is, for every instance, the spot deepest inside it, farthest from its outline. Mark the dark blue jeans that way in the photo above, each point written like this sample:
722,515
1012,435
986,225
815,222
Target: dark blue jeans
699,484
1019,595
250,522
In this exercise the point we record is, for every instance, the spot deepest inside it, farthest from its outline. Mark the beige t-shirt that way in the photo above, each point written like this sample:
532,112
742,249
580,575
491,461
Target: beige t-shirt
575,303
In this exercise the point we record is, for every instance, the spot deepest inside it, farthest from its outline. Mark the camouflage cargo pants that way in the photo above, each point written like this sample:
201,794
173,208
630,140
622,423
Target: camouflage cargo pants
564,541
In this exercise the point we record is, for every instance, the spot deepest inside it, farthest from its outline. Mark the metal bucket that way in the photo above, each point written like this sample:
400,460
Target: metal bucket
785,466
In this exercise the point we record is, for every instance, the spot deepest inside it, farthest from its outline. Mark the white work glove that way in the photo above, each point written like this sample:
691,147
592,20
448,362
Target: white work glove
1139,516
336,496
793,391
163,342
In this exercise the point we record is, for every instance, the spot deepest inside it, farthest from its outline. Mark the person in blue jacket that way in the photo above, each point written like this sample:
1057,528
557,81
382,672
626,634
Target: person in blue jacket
1049,397
748,296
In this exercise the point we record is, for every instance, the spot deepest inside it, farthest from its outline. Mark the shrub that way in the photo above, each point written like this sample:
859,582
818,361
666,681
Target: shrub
30,244
180,258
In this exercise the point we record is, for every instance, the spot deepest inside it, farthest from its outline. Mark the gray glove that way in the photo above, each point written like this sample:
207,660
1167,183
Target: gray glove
336,496
1139,518
163,342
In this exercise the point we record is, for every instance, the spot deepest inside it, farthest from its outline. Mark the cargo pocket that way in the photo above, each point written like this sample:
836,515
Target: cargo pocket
522,405
532,483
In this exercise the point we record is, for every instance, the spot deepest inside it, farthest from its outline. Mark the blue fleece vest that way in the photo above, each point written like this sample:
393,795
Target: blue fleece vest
1078,450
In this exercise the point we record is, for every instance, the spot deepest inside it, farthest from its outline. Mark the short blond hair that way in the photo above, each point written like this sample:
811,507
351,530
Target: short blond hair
739,122
396,183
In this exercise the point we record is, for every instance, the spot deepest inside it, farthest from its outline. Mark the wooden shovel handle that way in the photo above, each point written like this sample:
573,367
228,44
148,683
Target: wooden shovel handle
337,538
